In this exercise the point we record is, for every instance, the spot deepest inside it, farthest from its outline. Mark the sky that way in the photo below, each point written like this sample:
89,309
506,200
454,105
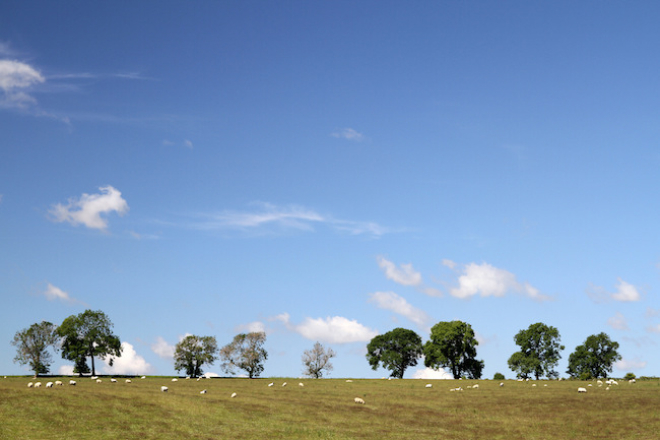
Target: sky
329,171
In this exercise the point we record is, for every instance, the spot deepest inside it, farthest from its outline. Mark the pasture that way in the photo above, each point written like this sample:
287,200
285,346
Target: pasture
325,409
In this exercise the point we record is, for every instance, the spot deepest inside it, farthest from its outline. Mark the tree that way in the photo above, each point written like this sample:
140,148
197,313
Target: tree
453,345
193,352
397,350
88,334
539,352
594,358
498,376
316,360
32,346
245,352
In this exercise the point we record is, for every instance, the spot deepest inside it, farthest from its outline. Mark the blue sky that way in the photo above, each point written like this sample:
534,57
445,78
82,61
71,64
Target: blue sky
330,171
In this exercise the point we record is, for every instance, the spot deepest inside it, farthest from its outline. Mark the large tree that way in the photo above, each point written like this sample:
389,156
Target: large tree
396,350
317,360
453,345
194,351
32,346
88,334
245,352
594,358
539,352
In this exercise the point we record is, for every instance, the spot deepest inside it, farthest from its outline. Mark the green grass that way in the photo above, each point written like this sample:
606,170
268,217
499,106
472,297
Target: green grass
324,409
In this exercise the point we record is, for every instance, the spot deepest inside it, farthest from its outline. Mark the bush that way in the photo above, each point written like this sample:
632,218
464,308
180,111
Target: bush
498,376
629,376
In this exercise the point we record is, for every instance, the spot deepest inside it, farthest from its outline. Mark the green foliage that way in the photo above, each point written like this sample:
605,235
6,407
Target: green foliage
453,345
245,352
193,352
88,334
539,352
397,350
317,360
32,346
594,358
629,376
498,376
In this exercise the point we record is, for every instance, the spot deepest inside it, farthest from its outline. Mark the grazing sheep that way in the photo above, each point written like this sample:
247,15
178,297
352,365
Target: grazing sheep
30,385
72,382
202,392
300,384
474,387
607,389
129,381
271,384
599,382
582,390
37,385
233,395
348,380
284,384
614,382
175,380
94,377
58,383
428,385
143,377
98,381
359,400
631,381
533,384
164,389
49,385
113,380
501,384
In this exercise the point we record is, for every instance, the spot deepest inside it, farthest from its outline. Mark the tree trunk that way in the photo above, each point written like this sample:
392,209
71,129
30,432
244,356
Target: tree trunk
91,354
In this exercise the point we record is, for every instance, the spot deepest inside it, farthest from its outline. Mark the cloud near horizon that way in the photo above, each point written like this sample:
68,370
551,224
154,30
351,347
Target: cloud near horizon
129,363
333,330
87,210
395,303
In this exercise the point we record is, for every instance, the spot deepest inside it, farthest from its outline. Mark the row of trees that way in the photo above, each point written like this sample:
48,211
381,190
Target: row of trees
89,335
453,345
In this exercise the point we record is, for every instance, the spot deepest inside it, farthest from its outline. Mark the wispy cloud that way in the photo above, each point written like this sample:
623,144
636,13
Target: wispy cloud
404,274
16,82
333,330
395,303
348,134
54,293
625,292
269,219
87,209
618,322
630,364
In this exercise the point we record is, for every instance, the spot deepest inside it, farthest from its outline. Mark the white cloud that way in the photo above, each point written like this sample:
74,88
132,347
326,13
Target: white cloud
486,280
87,210
349,134
448,263
393,302
163,349
53,293
16,78
128,363
630,364
625,292
430,373
404,275
256,326
333,330
65,370
618,322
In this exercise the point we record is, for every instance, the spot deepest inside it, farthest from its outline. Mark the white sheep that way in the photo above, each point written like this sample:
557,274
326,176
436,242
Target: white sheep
72,382
233,395
58,383
202,392
607,389
113,380
300,384
94,377
476,386
631,381
175,380
428,385
143,377
129,381
582,390
49,385
98,381
30,385
501,384
359,400
348,380
37,385
284,384
164,389
271,384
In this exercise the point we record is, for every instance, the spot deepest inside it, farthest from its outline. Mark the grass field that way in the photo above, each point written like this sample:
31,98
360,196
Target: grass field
325,409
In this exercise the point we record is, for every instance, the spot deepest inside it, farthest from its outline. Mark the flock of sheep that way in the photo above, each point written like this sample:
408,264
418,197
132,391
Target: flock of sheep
357,400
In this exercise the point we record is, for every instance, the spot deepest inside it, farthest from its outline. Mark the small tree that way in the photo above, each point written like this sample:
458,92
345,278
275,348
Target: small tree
453,345
539,352
317,360
629,376
397,350
594,358
32,346
498,376
245,352
88,334
193,352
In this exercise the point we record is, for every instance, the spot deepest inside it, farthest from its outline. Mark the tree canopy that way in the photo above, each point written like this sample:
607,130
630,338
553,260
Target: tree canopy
32,346
88,334
453,345
396,350
539,352
194,351
317,360
594,358
245,352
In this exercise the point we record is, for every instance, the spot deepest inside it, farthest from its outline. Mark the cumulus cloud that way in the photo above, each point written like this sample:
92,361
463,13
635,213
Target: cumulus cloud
630,364
625,292
394,303
430,373
333,330
404,274
163,349
89,208
16,80
128,363
618,322
486,280
251,327
65,370
348,134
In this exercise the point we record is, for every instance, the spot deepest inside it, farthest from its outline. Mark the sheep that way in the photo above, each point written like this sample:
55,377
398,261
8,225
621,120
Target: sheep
271,384
49,385
129,381
98,381
72,382
607,389
631,381
37,385
428,385
582,390
164,389
113,380
30,385
533,384
175,380
501,384
474,387
599,382
94,377
202,392
614,382
58,383
143,377
359,400
284,384
233,395
348,380
300,384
